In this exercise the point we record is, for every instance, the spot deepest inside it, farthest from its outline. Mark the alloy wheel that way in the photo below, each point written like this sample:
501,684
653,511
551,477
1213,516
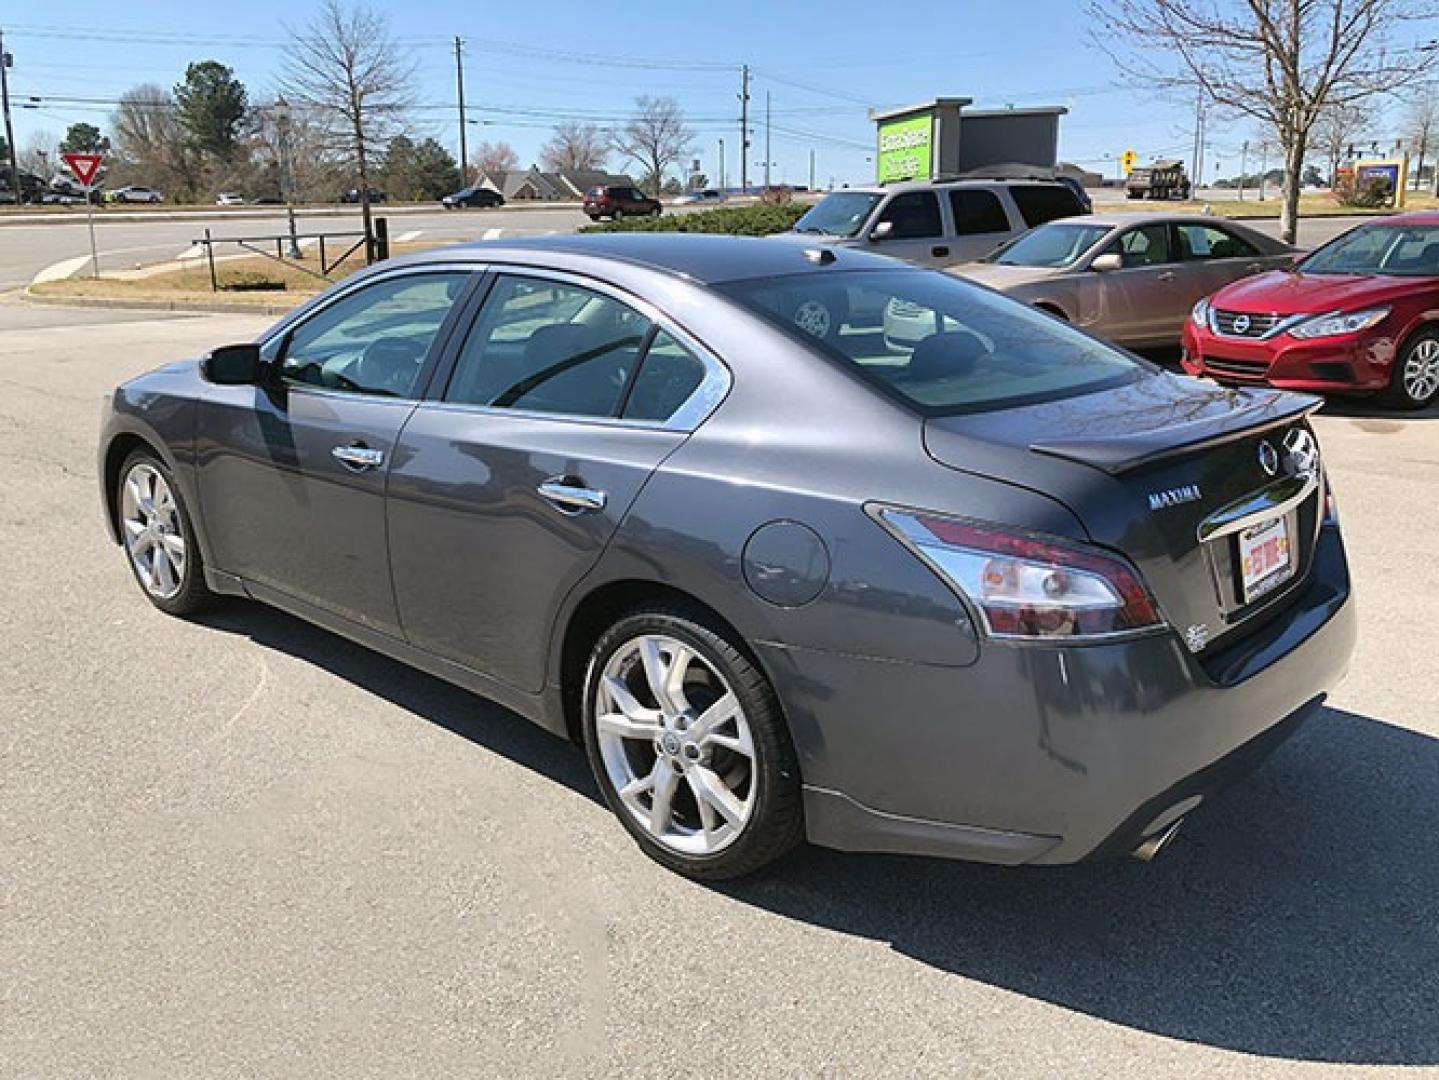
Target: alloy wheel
676,745
1421,370
154,539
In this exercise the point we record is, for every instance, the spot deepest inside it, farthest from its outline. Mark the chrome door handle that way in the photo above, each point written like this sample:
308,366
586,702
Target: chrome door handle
1168,275
358,458
571,498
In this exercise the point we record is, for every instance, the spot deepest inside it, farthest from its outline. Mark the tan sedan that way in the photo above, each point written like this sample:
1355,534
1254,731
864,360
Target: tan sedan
1131,278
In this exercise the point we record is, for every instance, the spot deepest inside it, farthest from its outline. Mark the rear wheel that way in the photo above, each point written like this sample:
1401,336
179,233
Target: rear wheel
618,215
655,212
158,538
687,743
1415,380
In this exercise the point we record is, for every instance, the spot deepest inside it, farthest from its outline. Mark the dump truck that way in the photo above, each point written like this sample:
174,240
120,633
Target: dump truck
1158,180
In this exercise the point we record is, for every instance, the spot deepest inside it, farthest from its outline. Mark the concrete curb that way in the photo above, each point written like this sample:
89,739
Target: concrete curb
258,213
198,307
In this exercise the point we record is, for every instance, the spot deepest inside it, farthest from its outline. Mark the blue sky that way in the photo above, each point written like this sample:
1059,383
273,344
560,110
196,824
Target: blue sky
526,64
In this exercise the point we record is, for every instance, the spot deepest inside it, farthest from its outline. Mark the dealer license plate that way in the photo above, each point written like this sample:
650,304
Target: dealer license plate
1265,559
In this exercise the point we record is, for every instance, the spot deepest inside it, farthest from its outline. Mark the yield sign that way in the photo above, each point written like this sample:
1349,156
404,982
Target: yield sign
84,166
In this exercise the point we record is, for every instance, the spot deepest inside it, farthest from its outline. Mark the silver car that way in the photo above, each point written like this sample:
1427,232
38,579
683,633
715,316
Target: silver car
1131,278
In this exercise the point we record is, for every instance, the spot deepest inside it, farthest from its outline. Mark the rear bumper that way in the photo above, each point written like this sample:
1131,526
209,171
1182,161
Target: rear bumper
1040,755
1360,364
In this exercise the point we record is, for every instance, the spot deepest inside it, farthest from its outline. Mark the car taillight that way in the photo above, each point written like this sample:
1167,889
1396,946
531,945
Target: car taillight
1029,587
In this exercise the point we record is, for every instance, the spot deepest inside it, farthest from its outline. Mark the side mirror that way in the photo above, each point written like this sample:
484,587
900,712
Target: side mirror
881,231
1110,260
233,365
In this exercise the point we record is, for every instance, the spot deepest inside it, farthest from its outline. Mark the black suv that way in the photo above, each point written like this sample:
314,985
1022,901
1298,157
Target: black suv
475,196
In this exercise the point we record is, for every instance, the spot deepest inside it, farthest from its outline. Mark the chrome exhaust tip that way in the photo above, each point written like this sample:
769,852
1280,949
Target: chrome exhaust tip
1149,849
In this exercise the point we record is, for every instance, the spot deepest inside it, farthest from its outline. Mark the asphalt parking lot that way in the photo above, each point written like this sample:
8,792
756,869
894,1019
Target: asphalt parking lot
245,847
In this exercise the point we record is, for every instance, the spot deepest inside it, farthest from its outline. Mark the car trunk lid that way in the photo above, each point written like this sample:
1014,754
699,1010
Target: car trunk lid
1161,470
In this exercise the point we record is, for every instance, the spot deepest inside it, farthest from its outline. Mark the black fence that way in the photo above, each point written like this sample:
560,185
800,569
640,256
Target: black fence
287,249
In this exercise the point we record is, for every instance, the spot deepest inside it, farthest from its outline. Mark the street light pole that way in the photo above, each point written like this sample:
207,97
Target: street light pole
744,129
767,161
721,165
6,61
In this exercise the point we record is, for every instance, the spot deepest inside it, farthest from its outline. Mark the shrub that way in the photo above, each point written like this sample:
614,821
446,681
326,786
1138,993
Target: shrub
1373,193
762,219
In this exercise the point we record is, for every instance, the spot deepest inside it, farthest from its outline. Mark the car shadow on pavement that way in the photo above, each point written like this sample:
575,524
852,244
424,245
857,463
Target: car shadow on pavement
1296,917
467,715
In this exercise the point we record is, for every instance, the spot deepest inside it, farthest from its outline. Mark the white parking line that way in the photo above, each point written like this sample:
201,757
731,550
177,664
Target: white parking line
405,238
492,234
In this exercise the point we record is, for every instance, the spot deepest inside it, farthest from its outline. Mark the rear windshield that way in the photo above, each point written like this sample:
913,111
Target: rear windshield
1054,245
1039,203
940,344
1397,250
840,213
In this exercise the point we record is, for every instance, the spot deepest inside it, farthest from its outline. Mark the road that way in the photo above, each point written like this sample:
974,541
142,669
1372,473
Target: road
28,249
244,847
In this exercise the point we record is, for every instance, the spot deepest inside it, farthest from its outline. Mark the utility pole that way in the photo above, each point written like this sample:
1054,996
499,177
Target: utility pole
6,60
767,161
811,168
721,164
1243,165
1263,166
744,140
460,86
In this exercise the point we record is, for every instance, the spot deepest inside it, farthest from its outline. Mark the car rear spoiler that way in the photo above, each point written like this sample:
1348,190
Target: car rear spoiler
1253,414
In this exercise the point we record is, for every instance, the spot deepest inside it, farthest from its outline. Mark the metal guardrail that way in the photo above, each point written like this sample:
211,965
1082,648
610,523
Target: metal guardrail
377,249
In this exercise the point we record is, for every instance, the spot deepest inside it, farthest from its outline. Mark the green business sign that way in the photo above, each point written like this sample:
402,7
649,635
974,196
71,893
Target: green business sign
906,149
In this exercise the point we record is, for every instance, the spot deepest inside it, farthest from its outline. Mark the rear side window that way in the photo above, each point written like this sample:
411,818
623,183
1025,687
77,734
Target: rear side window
546,346
1145,246
1039,203
1207,242
914,214
944,346
669,374
977,211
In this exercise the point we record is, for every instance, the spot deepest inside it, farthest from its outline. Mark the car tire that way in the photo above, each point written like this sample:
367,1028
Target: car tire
159,541
656,212
618,215
1414,382
732,799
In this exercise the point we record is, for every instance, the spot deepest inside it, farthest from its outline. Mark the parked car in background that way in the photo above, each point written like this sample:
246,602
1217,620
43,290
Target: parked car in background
704,196
1131,278
1359,315
229,198
475,196
353,196
607,482
134,193
935,223
618,201
62,198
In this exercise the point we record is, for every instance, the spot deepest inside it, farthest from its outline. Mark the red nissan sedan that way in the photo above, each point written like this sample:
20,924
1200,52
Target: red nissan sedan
1359,315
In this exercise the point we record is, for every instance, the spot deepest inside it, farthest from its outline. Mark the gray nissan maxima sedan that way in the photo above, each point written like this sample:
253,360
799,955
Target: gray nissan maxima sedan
1005,594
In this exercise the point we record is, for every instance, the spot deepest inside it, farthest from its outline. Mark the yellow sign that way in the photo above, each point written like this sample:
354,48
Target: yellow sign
1127,160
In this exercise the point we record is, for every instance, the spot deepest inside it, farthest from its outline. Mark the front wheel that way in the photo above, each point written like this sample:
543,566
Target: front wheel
1415,379
158,538
618,215
689,748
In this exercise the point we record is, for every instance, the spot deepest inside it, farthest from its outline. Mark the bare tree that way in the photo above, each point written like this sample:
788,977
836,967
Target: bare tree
574,146
493,157
656,137
38,157
150,144
1281,62
1422,128
1337,129
350,74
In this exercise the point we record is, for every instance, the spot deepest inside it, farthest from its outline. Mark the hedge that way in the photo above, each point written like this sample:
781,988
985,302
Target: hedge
761,219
